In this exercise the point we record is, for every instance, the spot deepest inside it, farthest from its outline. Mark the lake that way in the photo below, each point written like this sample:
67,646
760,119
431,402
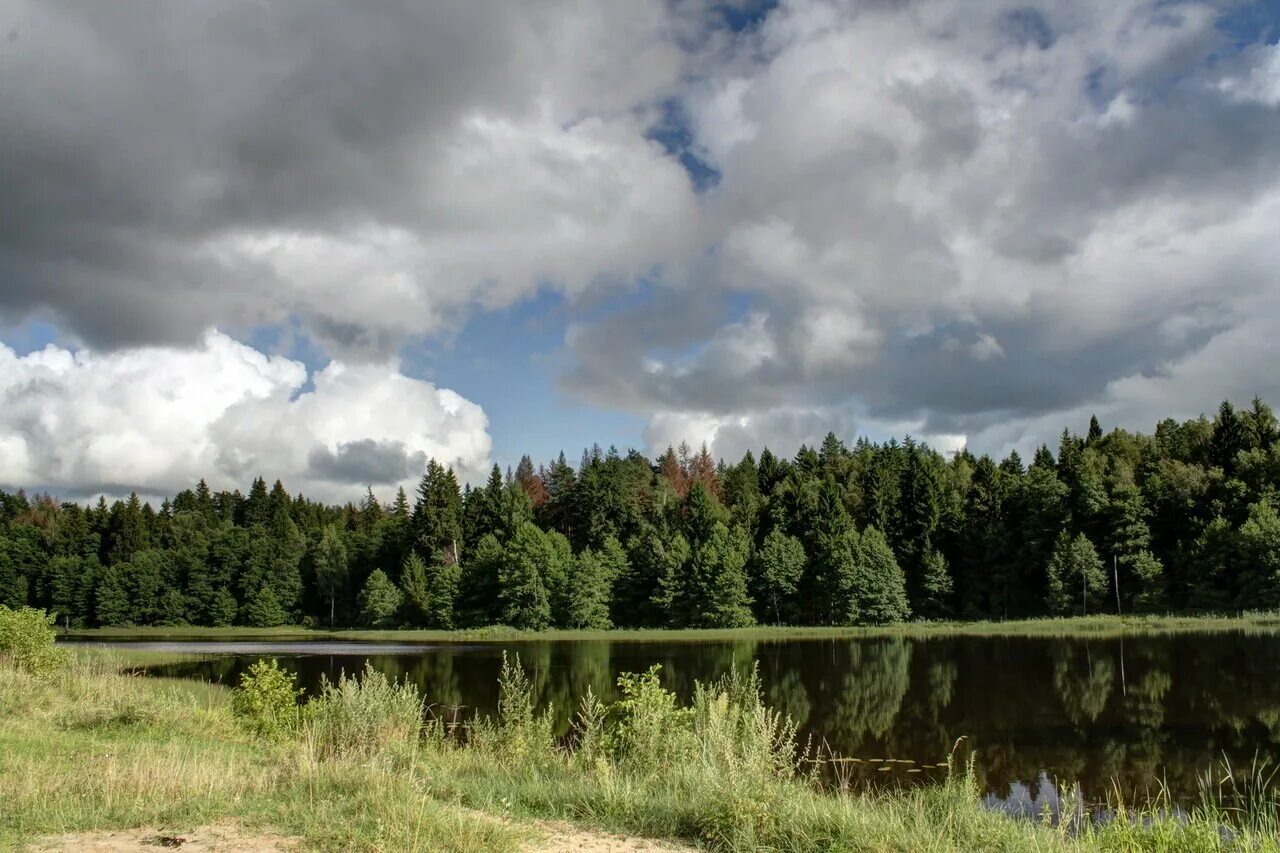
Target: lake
1041,714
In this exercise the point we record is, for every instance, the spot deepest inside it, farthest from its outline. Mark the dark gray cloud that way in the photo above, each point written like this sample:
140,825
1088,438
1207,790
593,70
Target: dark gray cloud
367,462
167,167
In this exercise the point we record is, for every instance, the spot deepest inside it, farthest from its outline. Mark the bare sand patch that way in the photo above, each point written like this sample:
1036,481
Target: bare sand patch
566,838
216,838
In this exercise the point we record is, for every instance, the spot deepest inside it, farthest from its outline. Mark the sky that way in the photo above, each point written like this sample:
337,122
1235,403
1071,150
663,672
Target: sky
326,242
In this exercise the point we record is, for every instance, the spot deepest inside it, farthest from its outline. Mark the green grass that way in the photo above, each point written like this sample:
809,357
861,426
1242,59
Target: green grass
1083,626
95,749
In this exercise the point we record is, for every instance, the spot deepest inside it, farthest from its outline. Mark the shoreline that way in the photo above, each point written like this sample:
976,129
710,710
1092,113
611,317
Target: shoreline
1077,626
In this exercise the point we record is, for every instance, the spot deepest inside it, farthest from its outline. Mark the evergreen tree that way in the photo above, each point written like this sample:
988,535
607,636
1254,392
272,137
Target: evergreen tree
936,587
478,601
777,572
522,591
111,599
437,515
262,609
643,591
879,586
588,593
221,608
379,601
129,533
1077,579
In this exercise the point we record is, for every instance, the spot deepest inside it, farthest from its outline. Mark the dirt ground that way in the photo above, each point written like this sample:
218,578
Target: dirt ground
230,838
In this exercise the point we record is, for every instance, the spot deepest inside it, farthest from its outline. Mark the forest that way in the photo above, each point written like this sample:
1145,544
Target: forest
1180,520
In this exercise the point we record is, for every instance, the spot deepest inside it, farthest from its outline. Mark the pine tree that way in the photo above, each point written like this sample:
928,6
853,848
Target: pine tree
826,588
416,596
379,601
129,533
437,515
256,508
643,591
1095,431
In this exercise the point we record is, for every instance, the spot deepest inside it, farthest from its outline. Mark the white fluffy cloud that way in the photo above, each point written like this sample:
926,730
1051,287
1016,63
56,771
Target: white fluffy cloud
157,419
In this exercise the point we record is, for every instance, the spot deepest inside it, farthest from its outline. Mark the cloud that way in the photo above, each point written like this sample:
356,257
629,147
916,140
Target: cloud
374,176
966,217
972,219
157,419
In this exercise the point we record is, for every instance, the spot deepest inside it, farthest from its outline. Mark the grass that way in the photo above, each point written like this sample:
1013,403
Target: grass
91,748
1081,626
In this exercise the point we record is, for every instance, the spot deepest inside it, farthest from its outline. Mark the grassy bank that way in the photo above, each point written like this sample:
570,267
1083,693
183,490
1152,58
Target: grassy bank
90,748
1082,626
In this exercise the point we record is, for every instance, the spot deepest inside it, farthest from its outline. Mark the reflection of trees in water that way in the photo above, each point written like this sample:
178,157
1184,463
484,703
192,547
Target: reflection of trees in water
1083,679
787,694
876,678
940,685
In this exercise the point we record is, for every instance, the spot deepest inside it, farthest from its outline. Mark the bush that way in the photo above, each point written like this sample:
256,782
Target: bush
518,734
266,701
27,641
650,733
364,717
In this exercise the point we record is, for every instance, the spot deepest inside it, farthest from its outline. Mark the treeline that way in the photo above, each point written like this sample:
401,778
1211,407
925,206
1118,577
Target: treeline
1183,519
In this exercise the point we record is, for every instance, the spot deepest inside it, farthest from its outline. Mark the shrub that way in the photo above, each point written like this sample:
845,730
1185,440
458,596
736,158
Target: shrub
518,733
364,717
650,732
27,641
266,701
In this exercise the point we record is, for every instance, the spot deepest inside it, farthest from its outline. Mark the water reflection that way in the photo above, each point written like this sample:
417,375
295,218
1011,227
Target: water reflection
1035,710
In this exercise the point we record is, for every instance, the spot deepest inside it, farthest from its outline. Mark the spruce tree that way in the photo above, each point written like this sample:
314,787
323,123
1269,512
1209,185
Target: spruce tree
111,599
379,601
478,601
588,593
522,591
879,586
777,571
937,587
221,608
262,609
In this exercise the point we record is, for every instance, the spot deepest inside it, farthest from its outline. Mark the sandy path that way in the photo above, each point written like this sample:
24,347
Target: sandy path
230,838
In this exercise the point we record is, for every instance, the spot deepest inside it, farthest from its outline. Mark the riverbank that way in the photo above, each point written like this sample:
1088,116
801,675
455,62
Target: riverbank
1078,626
91,749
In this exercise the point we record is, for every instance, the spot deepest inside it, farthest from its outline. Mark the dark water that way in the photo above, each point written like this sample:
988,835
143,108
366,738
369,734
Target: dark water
1098,713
